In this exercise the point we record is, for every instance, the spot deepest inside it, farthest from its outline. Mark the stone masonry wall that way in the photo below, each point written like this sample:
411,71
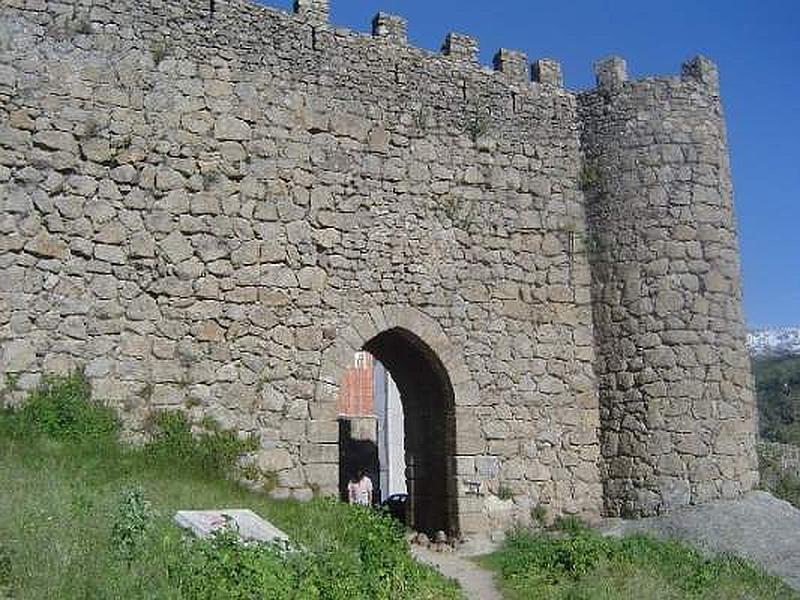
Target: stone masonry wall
677,399
210,211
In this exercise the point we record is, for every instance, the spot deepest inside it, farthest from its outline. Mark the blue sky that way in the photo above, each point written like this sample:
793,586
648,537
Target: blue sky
757,47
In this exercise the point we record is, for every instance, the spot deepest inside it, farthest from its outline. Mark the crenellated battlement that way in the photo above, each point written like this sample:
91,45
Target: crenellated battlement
611,73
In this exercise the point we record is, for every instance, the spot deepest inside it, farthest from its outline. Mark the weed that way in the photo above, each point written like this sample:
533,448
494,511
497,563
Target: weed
262,383
211,178
190,402
61,407
316,491
460,212
121,142
571,525
118,544
12,381
90,127
539,514
250,471
68,28
146,393
159,51
775,479
476,126
579,242
213,452
81,24
5,569
590,178
505,493
270,479
134,516
421,119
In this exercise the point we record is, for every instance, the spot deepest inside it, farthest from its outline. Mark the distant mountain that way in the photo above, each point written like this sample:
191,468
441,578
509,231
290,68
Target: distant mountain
774,342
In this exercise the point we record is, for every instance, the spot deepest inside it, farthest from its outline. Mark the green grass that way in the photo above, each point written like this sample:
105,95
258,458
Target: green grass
578,564
83,517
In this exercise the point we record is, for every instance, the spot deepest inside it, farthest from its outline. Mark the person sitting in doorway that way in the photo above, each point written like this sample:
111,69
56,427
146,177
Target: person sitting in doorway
359,490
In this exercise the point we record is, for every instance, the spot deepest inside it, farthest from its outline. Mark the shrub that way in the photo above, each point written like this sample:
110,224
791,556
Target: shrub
572,525
377,567
61,407
133,518
222,567
505,493
213,451
539,514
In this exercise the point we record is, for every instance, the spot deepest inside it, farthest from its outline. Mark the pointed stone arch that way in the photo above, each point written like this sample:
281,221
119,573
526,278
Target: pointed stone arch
352,336
368,330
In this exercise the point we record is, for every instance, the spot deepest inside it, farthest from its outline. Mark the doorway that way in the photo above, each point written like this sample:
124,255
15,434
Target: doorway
428,425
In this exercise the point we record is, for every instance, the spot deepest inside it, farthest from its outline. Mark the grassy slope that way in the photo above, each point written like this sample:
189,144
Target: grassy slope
58,500
57,506
583,566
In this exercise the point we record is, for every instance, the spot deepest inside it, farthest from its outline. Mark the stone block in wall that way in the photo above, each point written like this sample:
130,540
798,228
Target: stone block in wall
18,355
323,475
323,432
319,453
274,460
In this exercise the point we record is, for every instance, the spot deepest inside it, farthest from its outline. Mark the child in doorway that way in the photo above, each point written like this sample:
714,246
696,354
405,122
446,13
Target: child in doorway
359,490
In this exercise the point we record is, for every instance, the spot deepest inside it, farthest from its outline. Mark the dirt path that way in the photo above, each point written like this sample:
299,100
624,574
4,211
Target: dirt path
477,583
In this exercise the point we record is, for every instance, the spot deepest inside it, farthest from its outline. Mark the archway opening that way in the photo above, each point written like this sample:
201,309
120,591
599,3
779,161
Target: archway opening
428,429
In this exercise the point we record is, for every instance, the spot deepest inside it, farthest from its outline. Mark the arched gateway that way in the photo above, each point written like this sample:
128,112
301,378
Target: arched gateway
428,396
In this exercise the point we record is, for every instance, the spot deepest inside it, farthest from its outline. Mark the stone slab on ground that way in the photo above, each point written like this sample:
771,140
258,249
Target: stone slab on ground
250,527
757,526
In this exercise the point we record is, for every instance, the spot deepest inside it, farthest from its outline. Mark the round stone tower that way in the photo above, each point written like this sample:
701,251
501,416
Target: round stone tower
677,400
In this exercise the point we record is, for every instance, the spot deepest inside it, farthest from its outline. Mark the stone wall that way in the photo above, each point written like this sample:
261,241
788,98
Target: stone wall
211,211
677,399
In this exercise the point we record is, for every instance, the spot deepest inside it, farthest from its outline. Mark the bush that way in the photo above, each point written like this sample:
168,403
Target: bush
221,567
131,522
213,451
61,407
377,567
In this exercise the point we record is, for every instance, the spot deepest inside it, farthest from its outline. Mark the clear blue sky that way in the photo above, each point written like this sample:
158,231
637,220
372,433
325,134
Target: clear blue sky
757,47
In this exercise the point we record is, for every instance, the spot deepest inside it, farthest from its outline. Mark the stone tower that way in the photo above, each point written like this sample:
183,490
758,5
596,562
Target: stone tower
676,396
